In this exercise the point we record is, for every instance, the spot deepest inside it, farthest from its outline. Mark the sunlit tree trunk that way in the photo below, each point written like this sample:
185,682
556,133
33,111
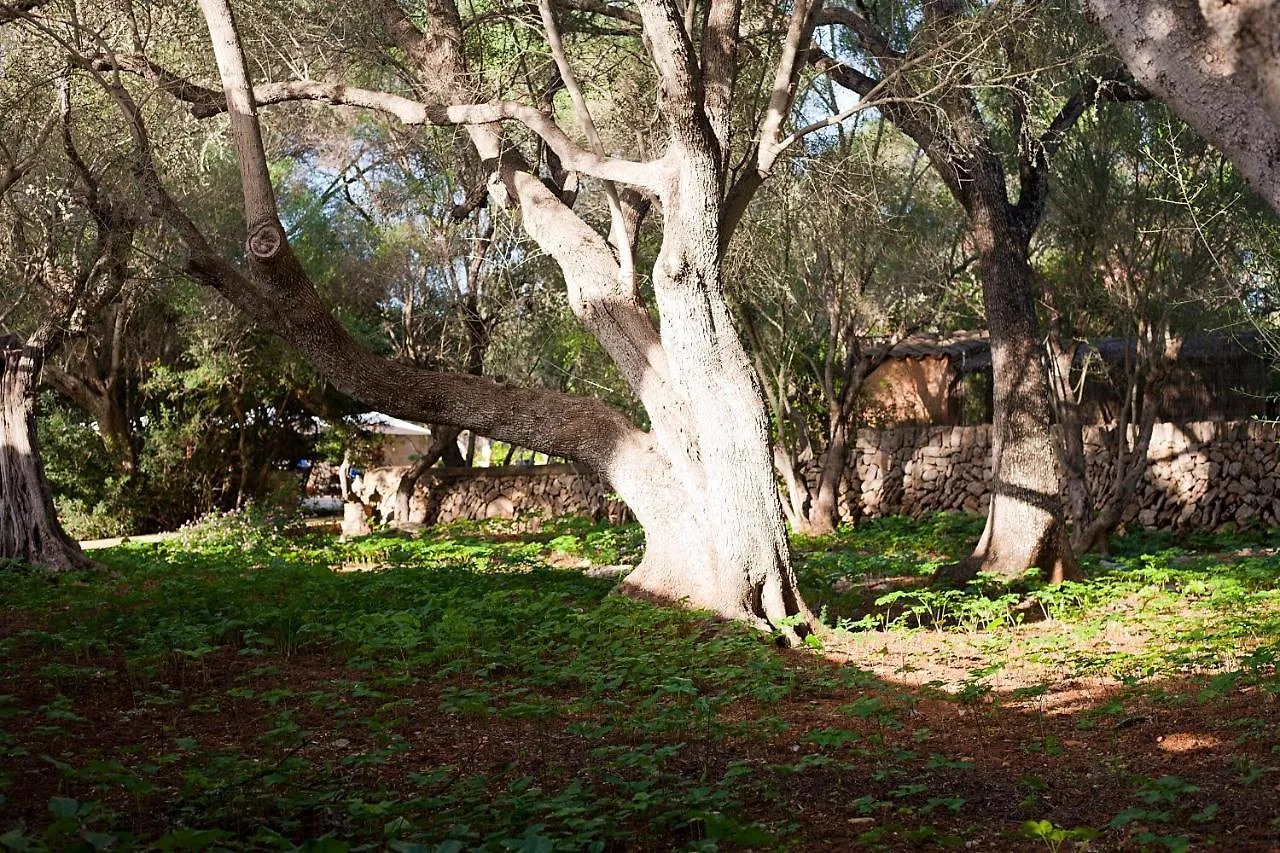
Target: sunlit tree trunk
1025,525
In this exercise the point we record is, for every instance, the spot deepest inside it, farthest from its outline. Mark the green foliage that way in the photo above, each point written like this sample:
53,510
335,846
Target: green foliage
301,693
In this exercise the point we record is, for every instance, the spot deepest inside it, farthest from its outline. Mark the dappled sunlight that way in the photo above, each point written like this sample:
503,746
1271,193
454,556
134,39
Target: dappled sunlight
1187,742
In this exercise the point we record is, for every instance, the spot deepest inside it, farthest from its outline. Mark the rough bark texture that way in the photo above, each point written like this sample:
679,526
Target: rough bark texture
29,528
722,544
1217,63
1024,523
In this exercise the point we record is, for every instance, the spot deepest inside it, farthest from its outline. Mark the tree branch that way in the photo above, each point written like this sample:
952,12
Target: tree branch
617,227
279,296
206,102
1033,164
869,35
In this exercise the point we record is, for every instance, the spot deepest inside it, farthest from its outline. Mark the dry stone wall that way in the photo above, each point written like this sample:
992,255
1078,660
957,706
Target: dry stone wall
1200,476
532,492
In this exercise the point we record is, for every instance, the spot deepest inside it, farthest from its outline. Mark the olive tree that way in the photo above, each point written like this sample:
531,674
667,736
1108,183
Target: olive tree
990,111
723,79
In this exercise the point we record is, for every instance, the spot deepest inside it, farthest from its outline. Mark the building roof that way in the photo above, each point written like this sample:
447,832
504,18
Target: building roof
970,351
377,422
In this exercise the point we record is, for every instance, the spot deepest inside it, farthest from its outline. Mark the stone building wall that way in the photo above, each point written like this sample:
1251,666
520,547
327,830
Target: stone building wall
1202,476
541,491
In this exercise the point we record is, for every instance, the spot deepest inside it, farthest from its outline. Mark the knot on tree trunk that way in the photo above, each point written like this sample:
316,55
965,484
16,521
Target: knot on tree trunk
265,241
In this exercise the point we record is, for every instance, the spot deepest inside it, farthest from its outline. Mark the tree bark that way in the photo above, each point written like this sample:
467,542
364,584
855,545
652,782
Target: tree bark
721,543
1025,526
29,527
824,512
700,482
1217,63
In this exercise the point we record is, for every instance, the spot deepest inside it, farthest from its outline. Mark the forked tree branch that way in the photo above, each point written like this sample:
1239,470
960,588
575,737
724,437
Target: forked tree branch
617,227
205,102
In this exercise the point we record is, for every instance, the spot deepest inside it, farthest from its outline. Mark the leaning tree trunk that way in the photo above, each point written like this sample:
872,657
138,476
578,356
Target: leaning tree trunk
443,438
1025,526
824,511
29,528
1129,468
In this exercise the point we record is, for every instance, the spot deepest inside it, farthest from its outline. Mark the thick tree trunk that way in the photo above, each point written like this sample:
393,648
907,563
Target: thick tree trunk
1216,63
685,560
1024,523
721,544
700,482
29,528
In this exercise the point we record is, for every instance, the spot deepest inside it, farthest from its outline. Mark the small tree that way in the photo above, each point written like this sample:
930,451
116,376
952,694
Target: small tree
1149,247
66,250
828,278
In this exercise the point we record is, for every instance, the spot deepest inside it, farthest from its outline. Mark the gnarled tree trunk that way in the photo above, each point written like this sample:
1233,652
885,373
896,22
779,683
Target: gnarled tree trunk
29,528
1217,63
717,540
700,481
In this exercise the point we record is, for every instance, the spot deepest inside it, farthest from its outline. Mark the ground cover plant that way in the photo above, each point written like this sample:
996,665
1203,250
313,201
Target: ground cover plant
253,685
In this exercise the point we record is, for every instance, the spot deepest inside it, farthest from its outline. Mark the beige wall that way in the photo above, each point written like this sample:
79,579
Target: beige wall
909,391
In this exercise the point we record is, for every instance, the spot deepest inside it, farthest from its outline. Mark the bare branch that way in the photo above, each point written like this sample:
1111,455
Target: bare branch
720,66
680,93
16,171
266,236
206,102
617,228
10,12
1033,165
597,7
869,35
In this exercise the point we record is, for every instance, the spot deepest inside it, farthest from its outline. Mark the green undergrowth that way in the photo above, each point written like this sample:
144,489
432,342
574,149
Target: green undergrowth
1201,603
257,686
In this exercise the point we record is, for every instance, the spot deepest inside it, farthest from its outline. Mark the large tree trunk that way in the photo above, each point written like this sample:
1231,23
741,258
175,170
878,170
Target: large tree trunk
1024,523
1217,63
29,528
718,539
700,481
